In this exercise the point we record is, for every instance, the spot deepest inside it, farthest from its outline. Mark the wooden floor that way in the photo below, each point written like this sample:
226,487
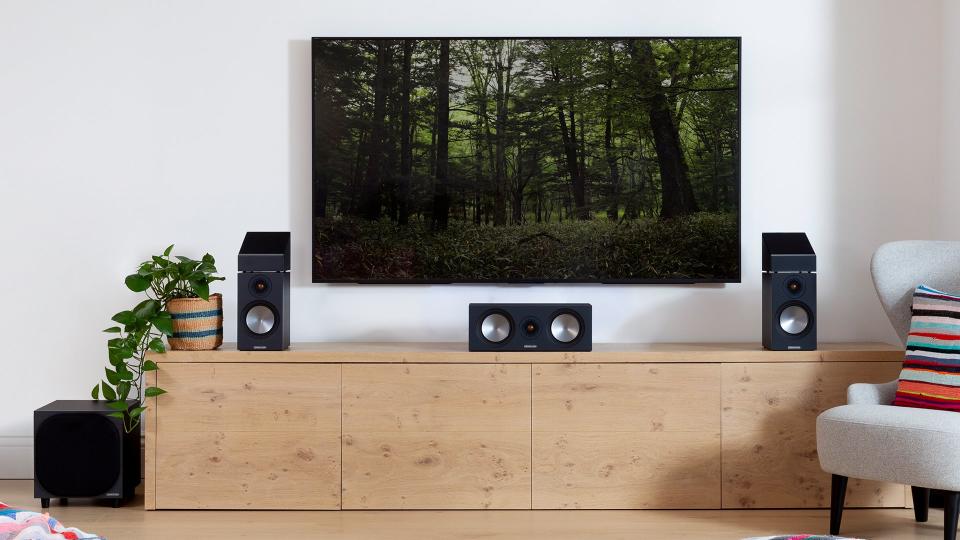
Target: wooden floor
132,522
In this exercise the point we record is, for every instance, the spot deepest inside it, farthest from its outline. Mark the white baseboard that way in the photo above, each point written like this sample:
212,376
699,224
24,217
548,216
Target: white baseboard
16,457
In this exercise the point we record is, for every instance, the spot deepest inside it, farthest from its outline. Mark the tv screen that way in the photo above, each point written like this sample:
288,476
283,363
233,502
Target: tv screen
612,160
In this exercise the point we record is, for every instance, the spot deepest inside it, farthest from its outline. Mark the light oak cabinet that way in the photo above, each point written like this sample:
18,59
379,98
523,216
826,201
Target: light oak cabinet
255,436
769,434
407,426
626,436
436,436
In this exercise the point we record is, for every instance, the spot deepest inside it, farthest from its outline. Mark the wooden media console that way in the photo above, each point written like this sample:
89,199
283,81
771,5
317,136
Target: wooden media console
432,426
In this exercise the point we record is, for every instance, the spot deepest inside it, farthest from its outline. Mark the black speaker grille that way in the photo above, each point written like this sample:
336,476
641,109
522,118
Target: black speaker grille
77,454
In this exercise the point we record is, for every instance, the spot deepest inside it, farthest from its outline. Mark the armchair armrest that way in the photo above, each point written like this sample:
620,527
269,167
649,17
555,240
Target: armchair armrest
871,394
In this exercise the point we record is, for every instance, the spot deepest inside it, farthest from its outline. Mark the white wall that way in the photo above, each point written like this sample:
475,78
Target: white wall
950,189
128,125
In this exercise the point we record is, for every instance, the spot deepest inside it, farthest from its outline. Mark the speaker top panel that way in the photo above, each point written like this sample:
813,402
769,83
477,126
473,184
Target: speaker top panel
265,252
788,252
79,405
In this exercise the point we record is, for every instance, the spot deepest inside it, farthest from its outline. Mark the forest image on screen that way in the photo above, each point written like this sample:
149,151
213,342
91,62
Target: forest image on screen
505,160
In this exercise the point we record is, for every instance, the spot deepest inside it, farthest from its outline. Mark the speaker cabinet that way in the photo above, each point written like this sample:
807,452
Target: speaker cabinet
789,289
263,292
530,327
81,452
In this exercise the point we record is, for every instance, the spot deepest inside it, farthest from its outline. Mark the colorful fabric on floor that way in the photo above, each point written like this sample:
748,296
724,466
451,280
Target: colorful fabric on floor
801,537
26,525
930,378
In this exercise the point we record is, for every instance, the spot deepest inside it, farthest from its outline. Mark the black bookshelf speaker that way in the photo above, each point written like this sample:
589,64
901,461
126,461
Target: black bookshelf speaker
79,451
263,292
530,327
789,289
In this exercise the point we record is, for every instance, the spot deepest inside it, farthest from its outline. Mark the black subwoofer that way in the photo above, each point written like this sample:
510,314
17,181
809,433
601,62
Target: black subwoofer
263,292
789,292
81,452
530,327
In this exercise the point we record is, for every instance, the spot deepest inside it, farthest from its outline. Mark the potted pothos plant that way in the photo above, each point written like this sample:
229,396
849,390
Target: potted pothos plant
141,329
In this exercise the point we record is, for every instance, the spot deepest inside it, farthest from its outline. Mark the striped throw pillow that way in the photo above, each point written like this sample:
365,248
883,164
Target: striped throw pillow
930,378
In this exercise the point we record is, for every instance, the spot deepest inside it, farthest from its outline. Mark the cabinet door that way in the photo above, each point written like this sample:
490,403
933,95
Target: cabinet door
248,436
436,436
770,436
626,436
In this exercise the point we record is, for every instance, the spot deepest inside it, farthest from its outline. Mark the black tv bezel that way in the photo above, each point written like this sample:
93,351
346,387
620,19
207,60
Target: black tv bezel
666,281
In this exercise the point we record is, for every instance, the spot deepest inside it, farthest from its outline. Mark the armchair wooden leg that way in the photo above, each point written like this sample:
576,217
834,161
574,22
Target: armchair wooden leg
951,508
921,503
838,490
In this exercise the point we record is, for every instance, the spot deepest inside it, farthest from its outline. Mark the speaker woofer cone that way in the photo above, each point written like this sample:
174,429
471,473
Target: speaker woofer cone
260,319
794,319
565,327
496,327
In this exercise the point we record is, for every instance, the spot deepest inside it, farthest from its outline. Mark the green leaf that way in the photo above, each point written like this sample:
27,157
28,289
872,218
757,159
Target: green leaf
117,405
123,389
124,317
118,353
163,322
137,283
183,259
149,365
124,373
95,393
145,269
137,411
153,391
160,261
208,259
146,309
112,330
201,288
166,252
156,345
112,376
116,415
108,391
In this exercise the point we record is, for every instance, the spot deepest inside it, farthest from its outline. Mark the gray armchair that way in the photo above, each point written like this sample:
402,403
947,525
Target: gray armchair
869,438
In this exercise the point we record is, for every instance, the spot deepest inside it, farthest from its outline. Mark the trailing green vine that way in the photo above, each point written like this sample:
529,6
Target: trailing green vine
140,330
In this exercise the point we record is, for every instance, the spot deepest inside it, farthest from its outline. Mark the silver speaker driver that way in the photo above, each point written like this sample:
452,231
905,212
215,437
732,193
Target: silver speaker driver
260,319
495,327
565,327
794,319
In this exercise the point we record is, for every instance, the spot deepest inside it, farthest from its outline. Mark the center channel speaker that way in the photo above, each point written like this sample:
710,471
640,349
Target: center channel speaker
531,327
263,292
789,292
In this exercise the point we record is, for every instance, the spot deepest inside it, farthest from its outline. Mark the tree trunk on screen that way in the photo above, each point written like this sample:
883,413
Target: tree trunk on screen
406,152
677,192
441,196
579,181
569,140
503,68
613,209
370,190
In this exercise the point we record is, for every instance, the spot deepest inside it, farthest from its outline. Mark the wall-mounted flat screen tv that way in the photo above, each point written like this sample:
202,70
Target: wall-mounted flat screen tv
609,160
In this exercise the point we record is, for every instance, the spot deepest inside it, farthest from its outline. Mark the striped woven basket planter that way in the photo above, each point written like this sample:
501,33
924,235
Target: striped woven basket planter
197,323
